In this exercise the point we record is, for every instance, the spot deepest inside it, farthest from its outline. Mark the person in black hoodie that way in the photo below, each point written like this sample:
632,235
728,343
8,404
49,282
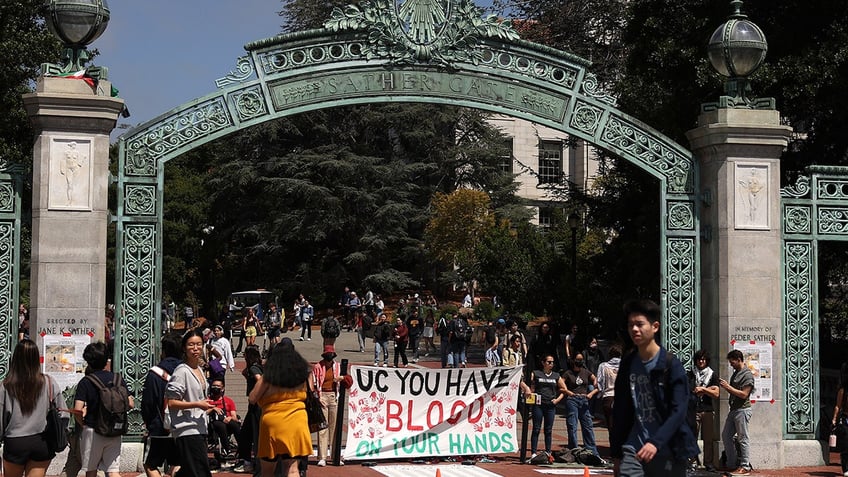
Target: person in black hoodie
160,446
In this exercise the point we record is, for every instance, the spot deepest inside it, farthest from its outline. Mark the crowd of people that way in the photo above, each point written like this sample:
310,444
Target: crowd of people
652,406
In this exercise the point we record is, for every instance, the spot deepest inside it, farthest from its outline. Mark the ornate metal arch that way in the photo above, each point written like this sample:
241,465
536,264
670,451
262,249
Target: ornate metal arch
814,209
11,184
379,52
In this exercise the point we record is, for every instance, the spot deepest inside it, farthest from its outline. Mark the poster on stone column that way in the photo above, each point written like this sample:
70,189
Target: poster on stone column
62,358
757,356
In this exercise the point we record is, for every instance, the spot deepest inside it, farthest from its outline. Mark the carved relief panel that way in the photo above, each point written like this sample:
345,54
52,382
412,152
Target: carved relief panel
751,208
71,174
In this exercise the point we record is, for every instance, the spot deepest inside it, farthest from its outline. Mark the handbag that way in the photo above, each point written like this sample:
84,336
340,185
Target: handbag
54,432
315,413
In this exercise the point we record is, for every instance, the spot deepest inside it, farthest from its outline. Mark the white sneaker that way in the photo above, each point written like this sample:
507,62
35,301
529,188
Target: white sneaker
385,365
532,456
322,463
308,339
301,338
845,474
376,364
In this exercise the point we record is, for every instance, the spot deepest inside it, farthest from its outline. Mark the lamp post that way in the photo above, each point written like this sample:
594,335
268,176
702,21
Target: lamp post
736,50
76,23
574,224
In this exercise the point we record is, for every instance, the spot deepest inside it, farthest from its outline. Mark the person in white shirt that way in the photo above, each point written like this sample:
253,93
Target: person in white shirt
222,346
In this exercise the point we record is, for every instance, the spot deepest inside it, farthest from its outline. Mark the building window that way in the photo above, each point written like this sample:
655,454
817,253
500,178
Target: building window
546,216
550,162
505,163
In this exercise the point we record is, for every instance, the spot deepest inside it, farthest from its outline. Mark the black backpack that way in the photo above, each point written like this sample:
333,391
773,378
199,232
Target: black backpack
111,417
330,327
367,321
460,329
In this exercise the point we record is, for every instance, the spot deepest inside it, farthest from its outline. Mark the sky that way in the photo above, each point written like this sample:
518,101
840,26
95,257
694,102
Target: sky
161,54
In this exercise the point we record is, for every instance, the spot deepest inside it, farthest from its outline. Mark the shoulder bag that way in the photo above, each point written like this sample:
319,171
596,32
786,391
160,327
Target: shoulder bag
54,432
315,412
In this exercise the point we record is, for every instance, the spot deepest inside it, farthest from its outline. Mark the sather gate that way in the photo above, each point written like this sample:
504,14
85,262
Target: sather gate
371,53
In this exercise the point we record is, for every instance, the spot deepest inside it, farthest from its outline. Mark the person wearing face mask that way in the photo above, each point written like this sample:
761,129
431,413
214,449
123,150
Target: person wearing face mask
580,386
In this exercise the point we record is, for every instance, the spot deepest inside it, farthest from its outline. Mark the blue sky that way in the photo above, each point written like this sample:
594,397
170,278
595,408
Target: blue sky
161,54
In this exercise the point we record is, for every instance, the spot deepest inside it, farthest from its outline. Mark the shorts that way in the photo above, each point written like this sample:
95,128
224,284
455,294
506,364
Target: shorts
250,332
273,332
159,450
428,332
20,450
104,453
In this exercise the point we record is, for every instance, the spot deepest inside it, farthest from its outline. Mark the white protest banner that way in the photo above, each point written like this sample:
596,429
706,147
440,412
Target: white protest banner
408,413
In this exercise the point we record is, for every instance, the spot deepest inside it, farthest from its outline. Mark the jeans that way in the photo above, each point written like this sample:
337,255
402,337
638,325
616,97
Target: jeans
660,466
306,329
737,424
704,420
414,341
381,348
577,408
548,413
457,351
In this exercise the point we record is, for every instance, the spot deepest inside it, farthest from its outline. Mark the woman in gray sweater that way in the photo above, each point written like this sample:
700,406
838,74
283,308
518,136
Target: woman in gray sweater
186,395
26,395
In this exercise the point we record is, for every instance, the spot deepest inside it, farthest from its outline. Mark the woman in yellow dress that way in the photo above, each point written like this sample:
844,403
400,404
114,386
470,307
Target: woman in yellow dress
281,393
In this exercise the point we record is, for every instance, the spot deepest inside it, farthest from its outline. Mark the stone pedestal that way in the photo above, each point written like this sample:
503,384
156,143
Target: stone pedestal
741,293
70,204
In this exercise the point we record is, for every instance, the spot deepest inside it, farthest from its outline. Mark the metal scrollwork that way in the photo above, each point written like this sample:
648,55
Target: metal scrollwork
136,329
832,189
833,220
800,189
797,219
244,70
593,89
648,149
423,31
798,325
140,200
681,216
586,118
681,331
250,104
7,197
173,133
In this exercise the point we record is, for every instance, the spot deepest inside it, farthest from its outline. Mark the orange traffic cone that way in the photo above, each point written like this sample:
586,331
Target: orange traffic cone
586,471
438,472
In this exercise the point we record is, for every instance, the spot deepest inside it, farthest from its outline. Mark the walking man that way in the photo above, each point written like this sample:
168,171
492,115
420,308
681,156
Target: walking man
650,437
739,388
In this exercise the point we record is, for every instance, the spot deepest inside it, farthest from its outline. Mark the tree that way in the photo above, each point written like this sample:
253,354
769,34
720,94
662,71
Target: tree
459,222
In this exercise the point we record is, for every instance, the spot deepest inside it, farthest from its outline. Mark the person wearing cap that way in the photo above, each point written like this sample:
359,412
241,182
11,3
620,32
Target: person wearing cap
222,346
326,376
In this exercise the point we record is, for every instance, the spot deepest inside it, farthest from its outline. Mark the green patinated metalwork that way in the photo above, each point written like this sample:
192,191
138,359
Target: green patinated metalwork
11,184
423,51
815,209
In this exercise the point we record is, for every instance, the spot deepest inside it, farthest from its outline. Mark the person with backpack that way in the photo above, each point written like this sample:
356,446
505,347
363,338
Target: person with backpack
490,338
331,329
650,436
362,326
101,404
703,382
460,332
160,445
187,404
382,333
443,330
223,347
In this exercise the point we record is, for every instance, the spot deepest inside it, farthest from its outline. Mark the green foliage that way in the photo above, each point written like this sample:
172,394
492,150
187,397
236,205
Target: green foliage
485,311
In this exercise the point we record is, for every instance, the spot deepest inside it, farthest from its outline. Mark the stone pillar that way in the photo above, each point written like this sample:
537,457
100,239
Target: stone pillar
741,293
70,204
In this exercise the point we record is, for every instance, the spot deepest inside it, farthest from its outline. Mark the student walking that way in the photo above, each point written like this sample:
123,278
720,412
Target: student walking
650,437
